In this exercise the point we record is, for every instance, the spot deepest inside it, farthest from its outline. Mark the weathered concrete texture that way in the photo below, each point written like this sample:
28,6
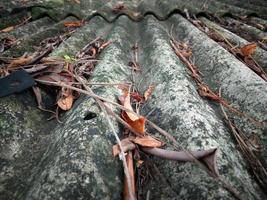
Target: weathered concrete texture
177,108
246,31
27,44
259,55
12,20
78,163
136,9
24,133
41,160
243,88
30,28
257,20
95,28
257,6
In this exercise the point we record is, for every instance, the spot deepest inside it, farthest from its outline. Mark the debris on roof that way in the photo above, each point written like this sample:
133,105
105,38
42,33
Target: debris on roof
181,62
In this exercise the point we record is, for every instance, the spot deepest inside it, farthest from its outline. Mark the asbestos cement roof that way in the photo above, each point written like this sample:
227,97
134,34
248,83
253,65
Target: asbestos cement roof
42,159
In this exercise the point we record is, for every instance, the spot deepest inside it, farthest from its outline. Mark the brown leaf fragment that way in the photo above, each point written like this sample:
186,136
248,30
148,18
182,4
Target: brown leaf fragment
147,141
138,125
139,163
74,23
19,62
148,92
126,144
38,95
118,7
66,100
136,122
127,104
248,49
7,29
136,96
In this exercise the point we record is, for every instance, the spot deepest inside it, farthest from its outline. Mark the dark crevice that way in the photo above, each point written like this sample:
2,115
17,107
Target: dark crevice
89,115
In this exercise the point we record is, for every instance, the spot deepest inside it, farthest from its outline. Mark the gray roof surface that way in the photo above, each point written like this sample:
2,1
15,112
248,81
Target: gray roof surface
41,159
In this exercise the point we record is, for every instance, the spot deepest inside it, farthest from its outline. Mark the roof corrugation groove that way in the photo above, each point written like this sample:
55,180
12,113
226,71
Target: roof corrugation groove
73,160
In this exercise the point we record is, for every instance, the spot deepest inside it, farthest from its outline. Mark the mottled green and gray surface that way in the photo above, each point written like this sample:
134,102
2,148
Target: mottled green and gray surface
43,159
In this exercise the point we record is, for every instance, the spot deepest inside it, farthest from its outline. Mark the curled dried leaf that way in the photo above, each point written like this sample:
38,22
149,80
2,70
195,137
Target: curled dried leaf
136,96
248,49
74,23
127,104
148,141
19,62
66,100
148,92
139,163
138,124
7,29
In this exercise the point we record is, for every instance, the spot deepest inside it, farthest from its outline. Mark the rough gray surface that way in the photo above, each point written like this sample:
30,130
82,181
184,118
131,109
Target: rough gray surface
45,160
136,9
24,134
222,70
259,55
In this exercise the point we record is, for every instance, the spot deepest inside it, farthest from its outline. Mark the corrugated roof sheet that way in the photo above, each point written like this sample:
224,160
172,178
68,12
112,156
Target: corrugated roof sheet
73,160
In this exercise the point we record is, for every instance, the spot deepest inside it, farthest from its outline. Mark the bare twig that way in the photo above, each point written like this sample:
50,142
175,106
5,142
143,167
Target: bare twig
122,156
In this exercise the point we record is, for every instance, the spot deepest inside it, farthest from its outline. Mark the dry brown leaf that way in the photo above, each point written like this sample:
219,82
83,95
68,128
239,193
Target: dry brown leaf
77,1
7,29
74,23
139,163
138,125
136,96
38,95
148,92
136,122
66,100
248,49
65,103
127,104
148,141
19,62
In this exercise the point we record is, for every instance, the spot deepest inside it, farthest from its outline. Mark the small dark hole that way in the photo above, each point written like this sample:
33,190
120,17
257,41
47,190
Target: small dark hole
90,115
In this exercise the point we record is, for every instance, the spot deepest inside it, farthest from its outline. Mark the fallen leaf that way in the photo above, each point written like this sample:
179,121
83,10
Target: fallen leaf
66,100
248,49
136,96
38,95
19,62
139,163
74,23
148,141
138,124
148,92
7,29
127,104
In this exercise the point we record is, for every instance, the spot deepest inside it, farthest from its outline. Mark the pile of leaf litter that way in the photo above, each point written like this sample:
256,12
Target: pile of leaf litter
55,69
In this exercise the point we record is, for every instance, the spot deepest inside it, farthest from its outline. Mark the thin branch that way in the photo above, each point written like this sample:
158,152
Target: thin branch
122,156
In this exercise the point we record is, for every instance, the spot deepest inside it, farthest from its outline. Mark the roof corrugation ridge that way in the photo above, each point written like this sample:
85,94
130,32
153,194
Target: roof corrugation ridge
137,10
